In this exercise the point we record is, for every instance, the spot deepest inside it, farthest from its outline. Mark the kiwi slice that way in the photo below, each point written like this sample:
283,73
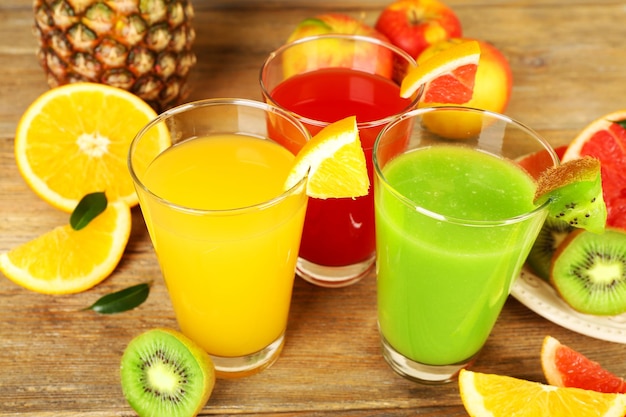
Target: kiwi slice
552,234
589,272
574,190
164,373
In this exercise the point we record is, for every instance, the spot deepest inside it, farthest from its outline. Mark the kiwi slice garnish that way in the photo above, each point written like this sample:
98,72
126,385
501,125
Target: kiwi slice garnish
589,272
552,234
574,190
164,373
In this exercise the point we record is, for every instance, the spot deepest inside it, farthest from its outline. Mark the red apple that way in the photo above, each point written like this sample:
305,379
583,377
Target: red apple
413,25
335,53
494,80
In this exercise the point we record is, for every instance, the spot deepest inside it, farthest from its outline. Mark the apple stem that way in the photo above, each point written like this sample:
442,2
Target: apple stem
414,18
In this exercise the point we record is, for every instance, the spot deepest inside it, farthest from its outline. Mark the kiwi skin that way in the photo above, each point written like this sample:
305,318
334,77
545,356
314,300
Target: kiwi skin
164,373
588,270
552,234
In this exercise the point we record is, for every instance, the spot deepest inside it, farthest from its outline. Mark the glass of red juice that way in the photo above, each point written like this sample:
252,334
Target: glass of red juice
322,79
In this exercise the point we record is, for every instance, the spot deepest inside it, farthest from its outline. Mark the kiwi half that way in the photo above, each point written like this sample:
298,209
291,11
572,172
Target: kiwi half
574,190
164,373
589,272
552,234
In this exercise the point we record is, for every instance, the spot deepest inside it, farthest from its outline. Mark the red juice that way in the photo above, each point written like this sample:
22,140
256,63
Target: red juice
339,232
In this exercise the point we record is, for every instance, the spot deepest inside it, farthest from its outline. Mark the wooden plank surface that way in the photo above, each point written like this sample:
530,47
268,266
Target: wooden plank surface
568,61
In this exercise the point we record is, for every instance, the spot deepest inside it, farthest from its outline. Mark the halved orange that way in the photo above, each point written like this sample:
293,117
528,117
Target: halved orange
74,140
605,139
65,260
448,76
565,367
334,161
490,395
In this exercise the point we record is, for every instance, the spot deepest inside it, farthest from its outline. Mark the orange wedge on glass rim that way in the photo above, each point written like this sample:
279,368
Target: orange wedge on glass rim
334,161
64,260
490,395
73,140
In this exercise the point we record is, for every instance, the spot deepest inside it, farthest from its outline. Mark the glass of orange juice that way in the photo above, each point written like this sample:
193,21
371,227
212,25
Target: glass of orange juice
210,185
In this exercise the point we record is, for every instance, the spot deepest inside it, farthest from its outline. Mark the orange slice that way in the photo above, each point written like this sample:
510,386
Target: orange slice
65,260
565,367
73,140
605,139
448,76
499,396
334,161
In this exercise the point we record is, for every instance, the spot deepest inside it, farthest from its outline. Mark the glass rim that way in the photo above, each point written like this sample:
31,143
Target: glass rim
364,38
183,108
451,219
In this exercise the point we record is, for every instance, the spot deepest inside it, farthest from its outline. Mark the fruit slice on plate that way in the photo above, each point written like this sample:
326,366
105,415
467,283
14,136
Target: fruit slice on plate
334,161
552,234
65,260
574,190
589,272
565,367
448,77
165,374
489,395
605,139
73,140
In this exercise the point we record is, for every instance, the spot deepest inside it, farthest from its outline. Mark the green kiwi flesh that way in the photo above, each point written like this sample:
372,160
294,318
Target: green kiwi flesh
589,272
163,373
574,192
552,234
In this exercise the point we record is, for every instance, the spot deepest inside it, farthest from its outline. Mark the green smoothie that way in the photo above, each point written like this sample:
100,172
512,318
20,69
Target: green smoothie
443,278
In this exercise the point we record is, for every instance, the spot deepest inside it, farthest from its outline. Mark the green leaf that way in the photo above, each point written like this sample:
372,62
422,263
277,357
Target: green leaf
123,300
88,208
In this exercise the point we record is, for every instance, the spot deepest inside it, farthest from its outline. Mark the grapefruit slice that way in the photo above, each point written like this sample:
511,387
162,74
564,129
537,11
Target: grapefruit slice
448,77
565,367
605,139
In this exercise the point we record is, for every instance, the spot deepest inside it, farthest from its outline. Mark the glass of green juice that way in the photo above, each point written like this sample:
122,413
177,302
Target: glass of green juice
455,221
226,234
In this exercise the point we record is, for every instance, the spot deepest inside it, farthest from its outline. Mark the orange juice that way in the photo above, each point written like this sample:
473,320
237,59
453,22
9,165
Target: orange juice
228,241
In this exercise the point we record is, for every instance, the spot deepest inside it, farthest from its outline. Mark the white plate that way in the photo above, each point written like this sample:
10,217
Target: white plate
540,297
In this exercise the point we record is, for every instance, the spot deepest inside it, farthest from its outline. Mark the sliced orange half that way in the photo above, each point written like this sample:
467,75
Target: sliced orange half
74,140
502,396
448,76
65,260
334,161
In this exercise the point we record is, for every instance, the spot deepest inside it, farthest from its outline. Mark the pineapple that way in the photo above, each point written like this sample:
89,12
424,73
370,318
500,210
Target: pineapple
143,46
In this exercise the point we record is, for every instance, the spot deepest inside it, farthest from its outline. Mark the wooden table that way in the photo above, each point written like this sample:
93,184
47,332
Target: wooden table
568,60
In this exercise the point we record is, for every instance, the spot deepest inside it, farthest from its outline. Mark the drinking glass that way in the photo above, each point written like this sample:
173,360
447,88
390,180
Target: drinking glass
225,233
320,80
455,221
